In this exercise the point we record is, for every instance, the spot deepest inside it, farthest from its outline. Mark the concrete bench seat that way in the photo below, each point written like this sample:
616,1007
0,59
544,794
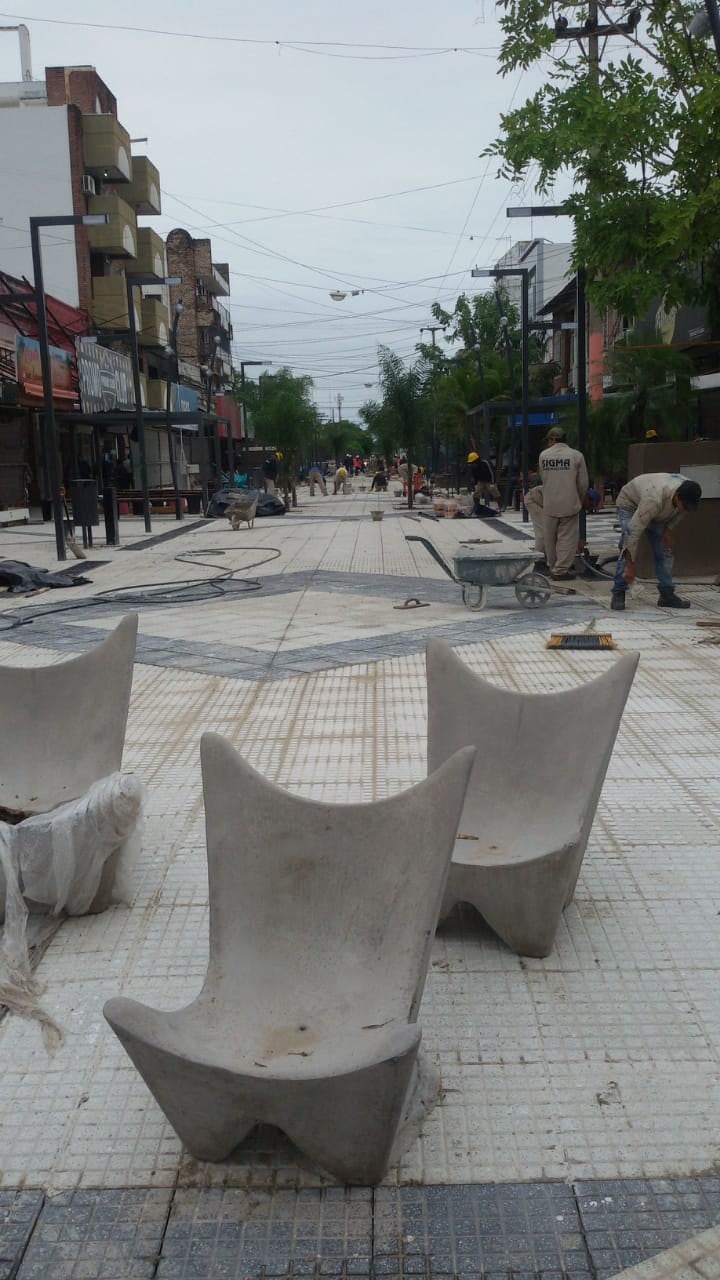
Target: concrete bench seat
539,769
321,922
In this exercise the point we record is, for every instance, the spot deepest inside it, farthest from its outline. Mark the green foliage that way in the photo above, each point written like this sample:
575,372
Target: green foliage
283,415
405,413
638,142
651,387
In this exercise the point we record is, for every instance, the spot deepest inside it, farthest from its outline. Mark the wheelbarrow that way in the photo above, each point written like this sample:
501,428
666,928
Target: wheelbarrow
475,571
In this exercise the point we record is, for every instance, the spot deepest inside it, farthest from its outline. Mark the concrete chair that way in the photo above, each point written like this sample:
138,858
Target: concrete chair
63,729
539,769
321,922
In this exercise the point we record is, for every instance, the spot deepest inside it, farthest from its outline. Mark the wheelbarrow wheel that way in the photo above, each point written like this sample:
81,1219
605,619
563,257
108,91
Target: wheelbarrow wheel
532,591
474,595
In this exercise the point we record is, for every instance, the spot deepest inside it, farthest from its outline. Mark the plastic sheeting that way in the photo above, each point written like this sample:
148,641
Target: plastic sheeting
57,860
18,577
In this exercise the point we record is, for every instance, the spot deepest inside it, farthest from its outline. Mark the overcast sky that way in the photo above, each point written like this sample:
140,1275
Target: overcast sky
248,135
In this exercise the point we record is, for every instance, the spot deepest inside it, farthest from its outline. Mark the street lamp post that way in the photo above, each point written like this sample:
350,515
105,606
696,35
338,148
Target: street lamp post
49,435
245,364
132,280
524,274
172,352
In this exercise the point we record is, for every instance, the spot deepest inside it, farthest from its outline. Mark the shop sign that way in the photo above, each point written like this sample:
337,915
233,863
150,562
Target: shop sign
8,372
106,378
183,399
29,370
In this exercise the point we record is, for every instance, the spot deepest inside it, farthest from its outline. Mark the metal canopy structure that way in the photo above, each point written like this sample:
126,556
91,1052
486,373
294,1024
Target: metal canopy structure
125,421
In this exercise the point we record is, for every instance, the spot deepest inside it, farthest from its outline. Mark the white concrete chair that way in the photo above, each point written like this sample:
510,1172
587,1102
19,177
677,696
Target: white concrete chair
539,769
63,729
321,922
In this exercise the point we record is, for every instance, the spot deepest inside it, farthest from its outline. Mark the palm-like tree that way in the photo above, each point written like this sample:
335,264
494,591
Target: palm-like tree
406,404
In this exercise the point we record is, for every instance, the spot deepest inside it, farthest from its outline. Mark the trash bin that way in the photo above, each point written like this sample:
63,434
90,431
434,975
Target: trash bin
84,500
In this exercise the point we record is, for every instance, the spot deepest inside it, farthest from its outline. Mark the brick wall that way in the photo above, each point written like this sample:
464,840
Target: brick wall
180,249
79,87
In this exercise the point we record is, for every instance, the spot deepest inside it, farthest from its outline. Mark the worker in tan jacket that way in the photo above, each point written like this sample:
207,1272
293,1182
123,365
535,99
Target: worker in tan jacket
564,485
652,505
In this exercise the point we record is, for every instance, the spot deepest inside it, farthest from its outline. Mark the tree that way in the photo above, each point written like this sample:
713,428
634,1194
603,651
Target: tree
405,405
285,418
636,135
480,371
381,426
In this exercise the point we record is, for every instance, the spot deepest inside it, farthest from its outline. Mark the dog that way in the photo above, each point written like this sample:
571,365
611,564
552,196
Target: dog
238,512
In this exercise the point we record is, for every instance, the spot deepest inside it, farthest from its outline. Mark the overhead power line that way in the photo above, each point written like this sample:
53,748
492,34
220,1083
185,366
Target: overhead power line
391,52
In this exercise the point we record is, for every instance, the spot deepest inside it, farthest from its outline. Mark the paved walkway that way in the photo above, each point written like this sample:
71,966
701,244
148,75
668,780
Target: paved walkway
578,1131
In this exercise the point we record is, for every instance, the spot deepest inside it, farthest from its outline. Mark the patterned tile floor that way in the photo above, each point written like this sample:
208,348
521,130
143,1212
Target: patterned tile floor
597,1067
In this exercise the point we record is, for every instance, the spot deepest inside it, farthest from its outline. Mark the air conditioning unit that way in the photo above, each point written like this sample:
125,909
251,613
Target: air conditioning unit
88,184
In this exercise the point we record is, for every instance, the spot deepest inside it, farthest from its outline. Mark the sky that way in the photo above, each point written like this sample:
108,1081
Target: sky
314,161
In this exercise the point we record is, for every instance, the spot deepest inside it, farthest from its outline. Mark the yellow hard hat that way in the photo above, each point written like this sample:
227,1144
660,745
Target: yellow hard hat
279,456
473,457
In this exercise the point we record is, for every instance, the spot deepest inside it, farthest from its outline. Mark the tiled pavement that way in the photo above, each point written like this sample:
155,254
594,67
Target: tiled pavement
527,1231
581,1093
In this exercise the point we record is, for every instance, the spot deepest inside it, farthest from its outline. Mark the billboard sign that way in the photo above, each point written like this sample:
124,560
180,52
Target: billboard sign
29,370
184,399
8,371
106,378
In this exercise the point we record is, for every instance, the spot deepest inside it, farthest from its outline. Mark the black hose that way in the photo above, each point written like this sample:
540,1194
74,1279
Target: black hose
149,594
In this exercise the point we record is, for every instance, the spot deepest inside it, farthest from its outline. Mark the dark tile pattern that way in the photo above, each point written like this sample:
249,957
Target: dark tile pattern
523,1231
54,631
98,1235
628,1220
235,1234
19,1212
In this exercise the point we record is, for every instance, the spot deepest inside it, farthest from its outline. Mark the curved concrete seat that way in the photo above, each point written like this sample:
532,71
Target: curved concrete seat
63,729
540,765
321,922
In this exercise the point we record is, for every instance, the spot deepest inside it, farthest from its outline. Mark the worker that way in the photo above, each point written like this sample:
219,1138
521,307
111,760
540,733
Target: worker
534,504
652,504
315,476
483,478
270,469
564,483
339,480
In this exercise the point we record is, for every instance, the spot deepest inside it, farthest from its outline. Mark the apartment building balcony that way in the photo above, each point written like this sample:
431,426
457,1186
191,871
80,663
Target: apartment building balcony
221,317
154,329
143,189
150,253
118,237
106,149
109,303
157,393
213,277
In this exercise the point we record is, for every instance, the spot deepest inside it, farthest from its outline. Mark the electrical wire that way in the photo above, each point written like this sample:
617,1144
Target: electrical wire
171,591
302,46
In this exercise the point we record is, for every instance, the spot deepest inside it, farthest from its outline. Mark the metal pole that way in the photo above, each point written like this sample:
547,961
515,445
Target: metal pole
714,20
581,339
168,402
525,372
49,433
139,418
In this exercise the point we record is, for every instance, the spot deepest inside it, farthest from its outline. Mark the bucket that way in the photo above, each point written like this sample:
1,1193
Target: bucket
439,507
451,507
376,515
347,488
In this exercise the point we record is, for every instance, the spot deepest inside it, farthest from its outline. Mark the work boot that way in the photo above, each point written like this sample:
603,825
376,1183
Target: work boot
617,600
564,577
541,566
668,600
